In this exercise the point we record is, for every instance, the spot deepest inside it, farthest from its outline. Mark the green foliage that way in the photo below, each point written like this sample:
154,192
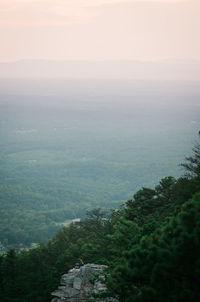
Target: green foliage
163,266
192,163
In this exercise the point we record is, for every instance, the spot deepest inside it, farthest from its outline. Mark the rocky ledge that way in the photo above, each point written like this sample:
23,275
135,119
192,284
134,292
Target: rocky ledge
82,285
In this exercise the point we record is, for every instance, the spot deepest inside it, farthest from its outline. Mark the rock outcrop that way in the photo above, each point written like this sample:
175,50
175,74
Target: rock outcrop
82,285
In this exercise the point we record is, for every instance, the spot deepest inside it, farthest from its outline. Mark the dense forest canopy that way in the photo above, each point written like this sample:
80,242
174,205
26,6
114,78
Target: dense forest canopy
151,246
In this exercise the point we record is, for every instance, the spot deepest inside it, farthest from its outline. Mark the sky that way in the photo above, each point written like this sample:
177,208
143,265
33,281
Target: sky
146,30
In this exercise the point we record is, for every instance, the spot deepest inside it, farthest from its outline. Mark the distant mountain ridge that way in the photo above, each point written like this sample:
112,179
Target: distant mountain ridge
165,70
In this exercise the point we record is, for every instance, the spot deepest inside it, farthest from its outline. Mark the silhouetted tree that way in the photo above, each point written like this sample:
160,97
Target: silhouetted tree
192,164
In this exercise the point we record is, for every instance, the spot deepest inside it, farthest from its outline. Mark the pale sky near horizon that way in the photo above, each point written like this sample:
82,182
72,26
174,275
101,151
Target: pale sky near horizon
99,29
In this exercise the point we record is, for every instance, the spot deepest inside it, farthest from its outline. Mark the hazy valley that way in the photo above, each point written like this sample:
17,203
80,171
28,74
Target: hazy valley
68,146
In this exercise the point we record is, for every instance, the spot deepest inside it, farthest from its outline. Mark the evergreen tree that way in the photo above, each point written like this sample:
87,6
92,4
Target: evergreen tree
192,164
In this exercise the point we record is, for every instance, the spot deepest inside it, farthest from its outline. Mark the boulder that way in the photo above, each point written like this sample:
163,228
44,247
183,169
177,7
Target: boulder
81,285
77,283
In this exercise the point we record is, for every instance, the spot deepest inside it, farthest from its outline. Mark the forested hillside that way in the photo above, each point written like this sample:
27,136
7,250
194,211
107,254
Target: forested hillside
151,245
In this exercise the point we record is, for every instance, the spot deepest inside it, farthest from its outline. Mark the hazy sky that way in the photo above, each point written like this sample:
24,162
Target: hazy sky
99,29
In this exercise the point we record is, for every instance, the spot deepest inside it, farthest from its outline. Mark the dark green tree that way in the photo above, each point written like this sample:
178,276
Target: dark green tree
192,164
164,266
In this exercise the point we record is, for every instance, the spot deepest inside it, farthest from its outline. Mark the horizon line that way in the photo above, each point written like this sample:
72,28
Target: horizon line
170,60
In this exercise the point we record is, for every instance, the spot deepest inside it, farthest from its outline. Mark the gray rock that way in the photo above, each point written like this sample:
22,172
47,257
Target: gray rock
99,287
54,300
70,292
57,293
67,279
76,285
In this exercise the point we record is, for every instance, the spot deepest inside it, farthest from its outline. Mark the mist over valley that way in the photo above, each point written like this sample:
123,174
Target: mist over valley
69,146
